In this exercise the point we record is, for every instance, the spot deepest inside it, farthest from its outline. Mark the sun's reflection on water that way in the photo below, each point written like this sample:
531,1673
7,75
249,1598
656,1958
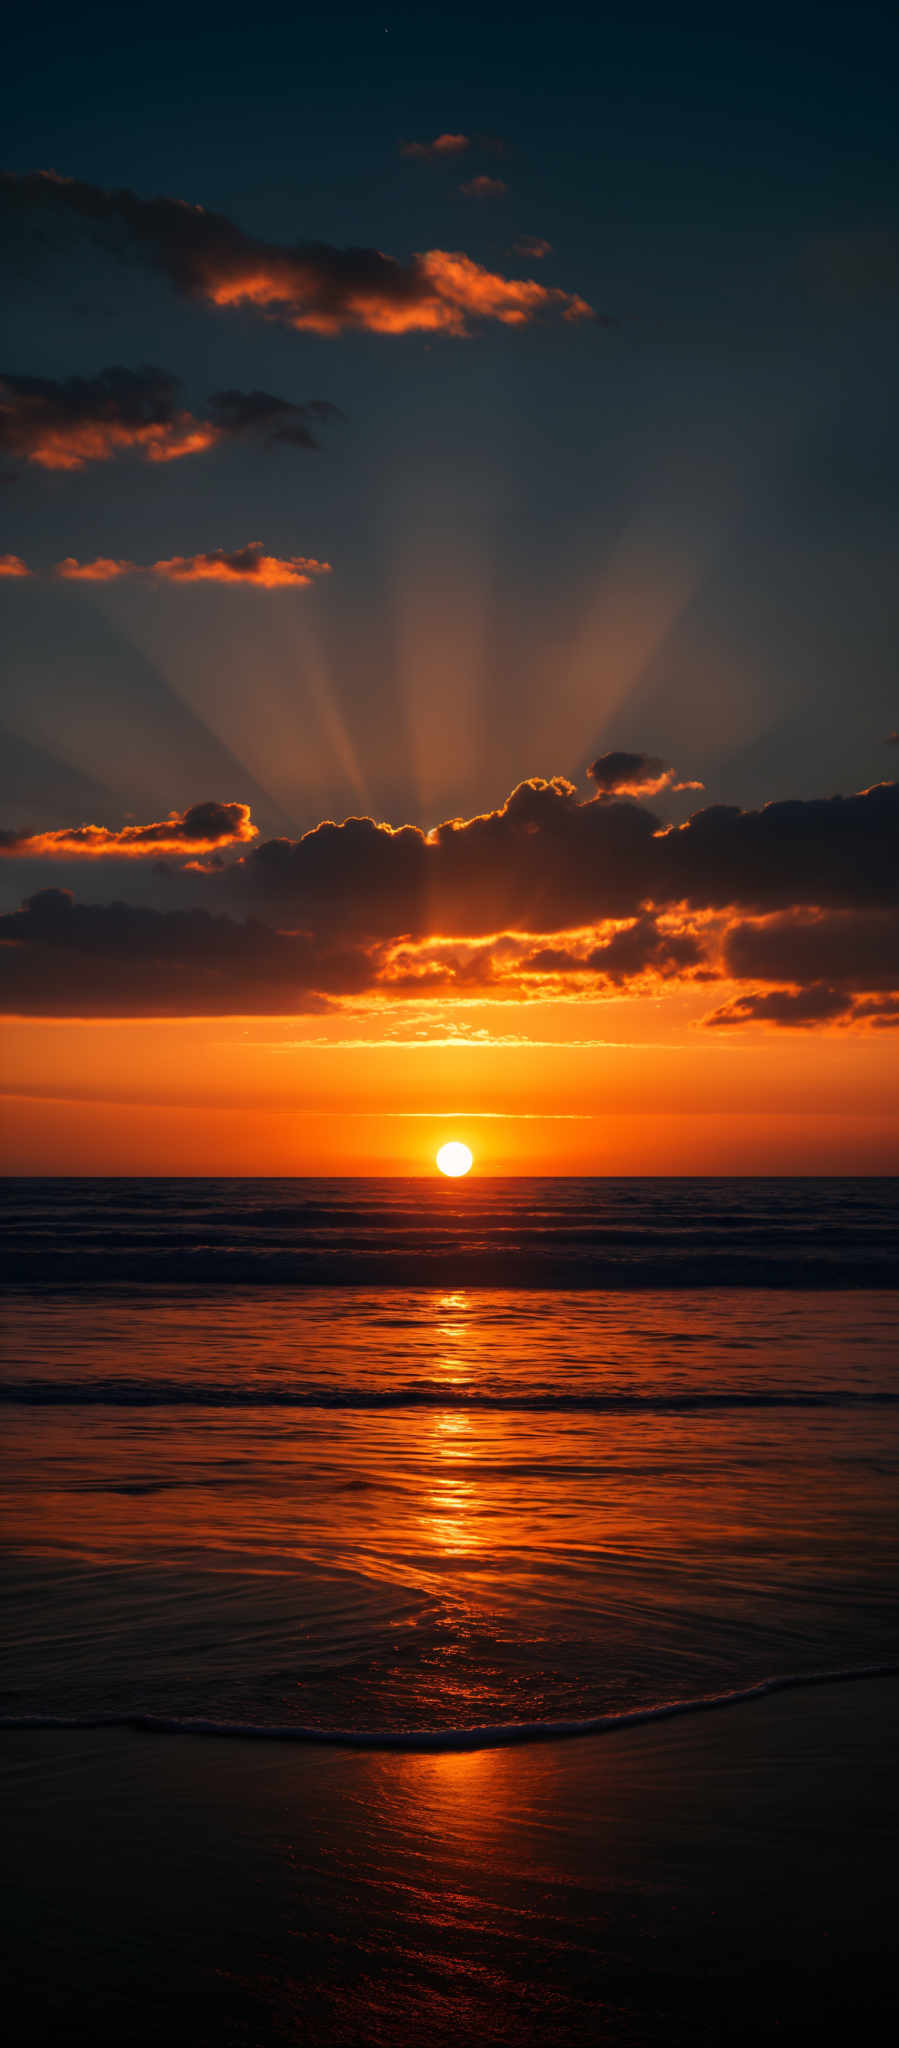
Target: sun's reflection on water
451,1522
454,1504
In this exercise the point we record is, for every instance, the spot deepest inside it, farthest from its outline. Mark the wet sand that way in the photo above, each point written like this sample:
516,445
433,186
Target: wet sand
724,1878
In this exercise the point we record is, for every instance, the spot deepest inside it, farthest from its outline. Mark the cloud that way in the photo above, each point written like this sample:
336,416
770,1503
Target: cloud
892,739
793,1008
547,897
545,861
483,187
881,1011
311,286
201,829
837,852
63,424
250,412
442,146
850,949
60,958
638,954
103,569
248,566
13,565
631,951
637,775
245,565
533,246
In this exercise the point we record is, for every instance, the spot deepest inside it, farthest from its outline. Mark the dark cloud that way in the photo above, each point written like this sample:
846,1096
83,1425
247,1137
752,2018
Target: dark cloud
547,862
484,187
442,146
850,949
635,949
838,852
623,774
881,1011
198,830
642,947
546,895
798,1008
533,246
64,423
250,412
60,958
310,285
544,862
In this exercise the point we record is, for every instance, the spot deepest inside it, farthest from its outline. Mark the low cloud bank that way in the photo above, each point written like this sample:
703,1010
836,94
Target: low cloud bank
792,909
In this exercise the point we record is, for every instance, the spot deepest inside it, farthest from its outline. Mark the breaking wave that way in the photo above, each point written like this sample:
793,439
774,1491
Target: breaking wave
498,1735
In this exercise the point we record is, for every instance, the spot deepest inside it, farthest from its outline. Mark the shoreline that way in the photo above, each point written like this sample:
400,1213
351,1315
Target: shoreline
445,1741
688,1884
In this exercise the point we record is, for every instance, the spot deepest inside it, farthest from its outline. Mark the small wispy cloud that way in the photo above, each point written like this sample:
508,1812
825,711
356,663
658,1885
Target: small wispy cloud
248,566
623,774
445,145
66,423
484,187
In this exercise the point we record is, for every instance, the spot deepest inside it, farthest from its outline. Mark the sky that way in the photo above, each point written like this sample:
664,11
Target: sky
449,485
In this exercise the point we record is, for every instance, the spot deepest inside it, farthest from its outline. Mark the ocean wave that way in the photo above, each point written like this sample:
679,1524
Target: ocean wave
120,1393
520,1268
498,1735
526,1234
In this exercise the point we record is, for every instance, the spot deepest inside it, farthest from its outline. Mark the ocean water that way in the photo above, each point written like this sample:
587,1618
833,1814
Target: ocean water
403,1462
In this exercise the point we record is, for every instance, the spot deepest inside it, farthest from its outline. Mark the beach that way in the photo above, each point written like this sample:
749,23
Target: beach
724,1877
313,1592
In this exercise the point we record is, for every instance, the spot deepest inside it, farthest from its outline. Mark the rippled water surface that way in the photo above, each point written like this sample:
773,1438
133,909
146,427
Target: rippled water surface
385,1507
517,1233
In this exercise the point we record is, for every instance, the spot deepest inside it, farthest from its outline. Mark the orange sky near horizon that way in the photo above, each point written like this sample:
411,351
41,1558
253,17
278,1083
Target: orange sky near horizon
617,1087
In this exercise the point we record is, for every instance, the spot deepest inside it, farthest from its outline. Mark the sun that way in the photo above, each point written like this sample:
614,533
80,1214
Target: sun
454,1159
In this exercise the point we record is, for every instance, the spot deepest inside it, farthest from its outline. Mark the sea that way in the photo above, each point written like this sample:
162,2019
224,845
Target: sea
421,1465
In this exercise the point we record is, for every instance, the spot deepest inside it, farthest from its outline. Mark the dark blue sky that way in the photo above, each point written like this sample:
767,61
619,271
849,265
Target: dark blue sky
675,531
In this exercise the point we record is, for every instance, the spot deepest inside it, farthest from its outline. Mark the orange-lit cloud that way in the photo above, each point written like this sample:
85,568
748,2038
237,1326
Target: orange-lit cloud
533,246
442,146
244,565
201,829
439,292
622,774
13,565
792,910
638,955
311,286
248,566
459,289
63,424
102,570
